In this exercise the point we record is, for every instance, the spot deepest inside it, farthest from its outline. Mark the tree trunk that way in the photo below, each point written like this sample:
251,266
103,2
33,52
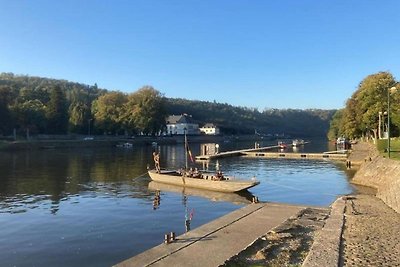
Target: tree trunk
375,131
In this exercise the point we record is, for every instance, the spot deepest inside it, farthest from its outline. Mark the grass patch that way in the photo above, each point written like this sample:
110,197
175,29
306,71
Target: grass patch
382,146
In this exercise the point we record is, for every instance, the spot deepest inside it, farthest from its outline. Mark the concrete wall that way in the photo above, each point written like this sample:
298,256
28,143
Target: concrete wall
384,175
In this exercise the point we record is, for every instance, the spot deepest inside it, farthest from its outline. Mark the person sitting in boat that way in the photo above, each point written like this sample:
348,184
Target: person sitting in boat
196,173
156,158
219,176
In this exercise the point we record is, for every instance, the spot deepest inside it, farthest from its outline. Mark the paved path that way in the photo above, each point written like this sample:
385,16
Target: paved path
234,153
371,234
325,250
213,243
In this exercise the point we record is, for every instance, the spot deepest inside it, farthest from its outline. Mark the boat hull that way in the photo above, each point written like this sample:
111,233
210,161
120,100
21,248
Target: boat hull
231,185
244,197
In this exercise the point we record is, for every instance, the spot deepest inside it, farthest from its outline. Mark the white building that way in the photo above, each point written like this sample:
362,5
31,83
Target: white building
210,129
178,124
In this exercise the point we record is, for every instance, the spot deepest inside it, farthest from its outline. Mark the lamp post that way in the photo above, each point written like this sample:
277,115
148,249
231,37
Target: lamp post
392,89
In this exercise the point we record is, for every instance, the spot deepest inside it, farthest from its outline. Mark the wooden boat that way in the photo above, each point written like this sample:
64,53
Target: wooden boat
206,181
195,179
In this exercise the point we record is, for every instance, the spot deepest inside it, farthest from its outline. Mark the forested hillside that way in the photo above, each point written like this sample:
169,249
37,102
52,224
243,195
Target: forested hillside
50,106
242,120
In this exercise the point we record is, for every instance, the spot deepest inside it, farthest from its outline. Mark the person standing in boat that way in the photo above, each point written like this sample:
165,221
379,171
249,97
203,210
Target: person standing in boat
156,157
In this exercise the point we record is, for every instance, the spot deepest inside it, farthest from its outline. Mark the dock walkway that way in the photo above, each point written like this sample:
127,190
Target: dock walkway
215,242
337,156
234,153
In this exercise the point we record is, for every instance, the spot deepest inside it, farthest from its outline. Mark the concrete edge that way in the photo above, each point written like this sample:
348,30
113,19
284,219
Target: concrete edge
273,229
158,253
325,250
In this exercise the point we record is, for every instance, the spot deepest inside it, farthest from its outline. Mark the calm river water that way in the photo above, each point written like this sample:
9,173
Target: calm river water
95,207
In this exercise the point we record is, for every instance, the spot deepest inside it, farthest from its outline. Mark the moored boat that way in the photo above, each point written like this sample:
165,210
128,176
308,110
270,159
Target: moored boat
243,197
282,145
198,179
125,145
209,181
298,142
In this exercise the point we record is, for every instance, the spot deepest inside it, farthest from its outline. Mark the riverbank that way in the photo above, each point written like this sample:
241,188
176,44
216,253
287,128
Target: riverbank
360,230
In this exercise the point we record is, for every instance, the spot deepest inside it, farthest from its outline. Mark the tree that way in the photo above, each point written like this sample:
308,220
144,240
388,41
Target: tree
5,114
79,117
30,115
108,112
335,125
146,111
349,122
361,113
56,112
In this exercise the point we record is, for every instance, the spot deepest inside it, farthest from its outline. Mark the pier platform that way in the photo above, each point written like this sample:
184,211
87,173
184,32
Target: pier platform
234,153
296,155
215,242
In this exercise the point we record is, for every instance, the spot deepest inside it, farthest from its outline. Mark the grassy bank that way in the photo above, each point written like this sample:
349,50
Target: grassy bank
382,146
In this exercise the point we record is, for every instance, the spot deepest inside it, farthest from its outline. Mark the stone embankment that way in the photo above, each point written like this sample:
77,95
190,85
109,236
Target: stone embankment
378,172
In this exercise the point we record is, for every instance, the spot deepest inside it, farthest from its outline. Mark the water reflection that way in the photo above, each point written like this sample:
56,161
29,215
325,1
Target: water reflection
29,177
157,200
98,207
244,197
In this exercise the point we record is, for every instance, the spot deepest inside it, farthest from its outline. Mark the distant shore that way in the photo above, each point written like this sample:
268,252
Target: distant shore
79,141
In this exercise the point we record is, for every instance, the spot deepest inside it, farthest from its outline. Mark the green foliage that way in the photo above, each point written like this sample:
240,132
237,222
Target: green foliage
108,111
79,117
335,125
56,112
5,113
360,115
57,106
30,115
242,120
21,92
146,111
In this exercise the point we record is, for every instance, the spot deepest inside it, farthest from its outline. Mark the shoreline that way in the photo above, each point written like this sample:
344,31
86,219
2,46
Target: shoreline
79,141
356,230
361,230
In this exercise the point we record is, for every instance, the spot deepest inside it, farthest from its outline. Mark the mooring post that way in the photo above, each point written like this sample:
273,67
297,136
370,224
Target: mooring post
166,238
172,236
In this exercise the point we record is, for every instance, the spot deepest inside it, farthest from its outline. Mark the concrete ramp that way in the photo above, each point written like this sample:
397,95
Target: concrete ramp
215,242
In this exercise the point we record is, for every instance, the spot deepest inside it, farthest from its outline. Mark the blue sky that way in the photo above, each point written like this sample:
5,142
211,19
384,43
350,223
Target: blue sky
261,54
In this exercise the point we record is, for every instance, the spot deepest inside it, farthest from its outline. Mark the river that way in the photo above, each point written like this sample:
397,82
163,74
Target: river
97,207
